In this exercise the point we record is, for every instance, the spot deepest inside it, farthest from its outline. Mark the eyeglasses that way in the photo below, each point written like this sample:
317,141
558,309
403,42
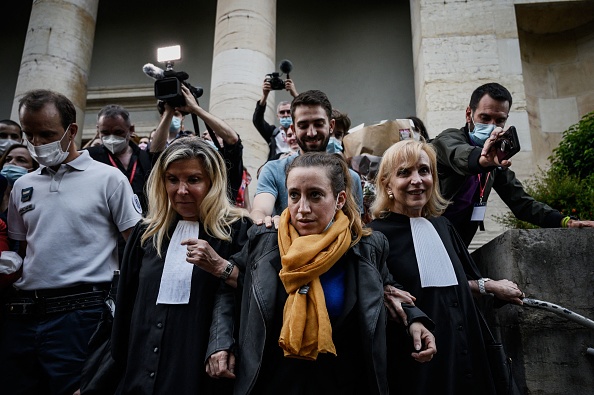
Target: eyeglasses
283,112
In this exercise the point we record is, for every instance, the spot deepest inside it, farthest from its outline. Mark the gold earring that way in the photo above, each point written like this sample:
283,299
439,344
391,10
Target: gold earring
390,195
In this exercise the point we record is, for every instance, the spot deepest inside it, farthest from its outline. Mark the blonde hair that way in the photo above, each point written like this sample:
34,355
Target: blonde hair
401,155
216,212
338,173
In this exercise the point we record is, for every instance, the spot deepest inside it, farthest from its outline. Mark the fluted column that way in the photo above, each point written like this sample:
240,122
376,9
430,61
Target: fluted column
244,51
58,50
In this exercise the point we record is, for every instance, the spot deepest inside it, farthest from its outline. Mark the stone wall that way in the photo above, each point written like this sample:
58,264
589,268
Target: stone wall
458,46
541,50
557,50
554,265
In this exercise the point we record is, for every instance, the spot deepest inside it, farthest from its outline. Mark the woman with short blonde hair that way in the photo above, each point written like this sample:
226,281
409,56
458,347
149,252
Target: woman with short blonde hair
428,258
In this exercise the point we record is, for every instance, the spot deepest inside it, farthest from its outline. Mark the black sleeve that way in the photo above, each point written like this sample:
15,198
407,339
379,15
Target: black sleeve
524,207
413,313
470,269
225,310
233,156
126,297
98,153
263,127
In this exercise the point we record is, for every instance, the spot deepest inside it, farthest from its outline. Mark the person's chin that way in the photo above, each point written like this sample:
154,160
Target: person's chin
315,147
308,228
417,204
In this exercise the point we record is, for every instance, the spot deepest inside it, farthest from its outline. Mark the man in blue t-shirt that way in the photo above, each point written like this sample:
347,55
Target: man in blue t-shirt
312,125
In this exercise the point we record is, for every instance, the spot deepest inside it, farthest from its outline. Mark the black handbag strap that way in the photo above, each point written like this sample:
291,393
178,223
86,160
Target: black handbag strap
485,327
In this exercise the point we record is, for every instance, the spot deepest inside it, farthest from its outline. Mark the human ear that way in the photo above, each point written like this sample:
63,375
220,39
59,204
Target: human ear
341,200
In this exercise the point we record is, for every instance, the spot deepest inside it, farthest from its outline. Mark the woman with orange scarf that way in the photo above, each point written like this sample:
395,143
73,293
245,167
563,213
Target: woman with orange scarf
312,317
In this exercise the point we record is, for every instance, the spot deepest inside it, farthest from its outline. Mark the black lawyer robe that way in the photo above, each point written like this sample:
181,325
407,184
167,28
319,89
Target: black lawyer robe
163,347
460,365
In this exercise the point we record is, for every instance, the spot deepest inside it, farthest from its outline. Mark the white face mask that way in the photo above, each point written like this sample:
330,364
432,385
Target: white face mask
115,144
5,144
50,154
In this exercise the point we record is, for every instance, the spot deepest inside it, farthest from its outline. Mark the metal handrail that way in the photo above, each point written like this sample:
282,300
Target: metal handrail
559,310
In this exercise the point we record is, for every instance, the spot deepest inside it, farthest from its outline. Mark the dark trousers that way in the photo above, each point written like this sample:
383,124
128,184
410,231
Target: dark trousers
44,354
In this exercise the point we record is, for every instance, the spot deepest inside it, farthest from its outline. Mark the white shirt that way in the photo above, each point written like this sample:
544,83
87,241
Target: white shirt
70,220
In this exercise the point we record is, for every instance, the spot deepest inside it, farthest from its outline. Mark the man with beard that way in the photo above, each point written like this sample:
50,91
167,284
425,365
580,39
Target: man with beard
312,125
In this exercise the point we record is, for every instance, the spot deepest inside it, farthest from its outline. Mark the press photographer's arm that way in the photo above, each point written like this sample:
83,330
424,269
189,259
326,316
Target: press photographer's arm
266,88
159,141
220,127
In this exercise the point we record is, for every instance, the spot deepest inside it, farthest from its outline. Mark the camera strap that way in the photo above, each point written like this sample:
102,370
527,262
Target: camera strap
211,133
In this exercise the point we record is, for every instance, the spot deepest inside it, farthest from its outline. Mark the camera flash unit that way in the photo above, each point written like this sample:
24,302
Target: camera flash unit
168,54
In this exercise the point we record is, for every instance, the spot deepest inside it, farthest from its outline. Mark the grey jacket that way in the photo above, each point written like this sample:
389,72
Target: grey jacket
260,263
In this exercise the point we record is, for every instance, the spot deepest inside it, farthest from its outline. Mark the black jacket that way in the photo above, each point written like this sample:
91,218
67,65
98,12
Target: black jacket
267,131
137,172
259,262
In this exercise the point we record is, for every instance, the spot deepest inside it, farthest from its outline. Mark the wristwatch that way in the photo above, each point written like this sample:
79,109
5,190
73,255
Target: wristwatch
228,270
481,285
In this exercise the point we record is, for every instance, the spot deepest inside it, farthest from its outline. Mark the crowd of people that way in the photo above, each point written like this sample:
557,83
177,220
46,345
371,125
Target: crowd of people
139,265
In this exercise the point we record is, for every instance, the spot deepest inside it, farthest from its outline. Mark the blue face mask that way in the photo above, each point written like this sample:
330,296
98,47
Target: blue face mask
286,122
481,132
334,146
211,144
175,124
12,173
332,220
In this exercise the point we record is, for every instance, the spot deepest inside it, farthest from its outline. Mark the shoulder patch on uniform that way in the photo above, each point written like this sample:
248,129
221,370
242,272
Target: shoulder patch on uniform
26,194
136,204
29,207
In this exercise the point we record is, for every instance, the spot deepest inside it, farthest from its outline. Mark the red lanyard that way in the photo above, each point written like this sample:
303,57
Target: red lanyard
133,168
482,188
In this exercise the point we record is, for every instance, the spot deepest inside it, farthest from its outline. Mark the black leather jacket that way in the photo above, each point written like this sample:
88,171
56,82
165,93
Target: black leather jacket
259,263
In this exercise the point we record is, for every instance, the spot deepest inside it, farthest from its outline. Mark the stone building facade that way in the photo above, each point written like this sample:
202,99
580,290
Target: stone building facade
381,60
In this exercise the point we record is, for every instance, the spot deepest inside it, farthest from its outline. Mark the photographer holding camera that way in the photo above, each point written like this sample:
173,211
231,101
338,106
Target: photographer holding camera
170,126
276,137
231,150
469,165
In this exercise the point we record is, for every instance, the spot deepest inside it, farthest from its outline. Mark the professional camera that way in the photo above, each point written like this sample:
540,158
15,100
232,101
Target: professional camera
168,82
277,83
169,90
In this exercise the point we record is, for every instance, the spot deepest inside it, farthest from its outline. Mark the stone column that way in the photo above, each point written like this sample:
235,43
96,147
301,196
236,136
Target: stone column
57,53
244,51
458,46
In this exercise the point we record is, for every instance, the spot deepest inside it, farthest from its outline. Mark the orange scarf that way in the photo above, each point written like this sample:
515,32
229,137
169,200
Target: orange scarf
306,327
